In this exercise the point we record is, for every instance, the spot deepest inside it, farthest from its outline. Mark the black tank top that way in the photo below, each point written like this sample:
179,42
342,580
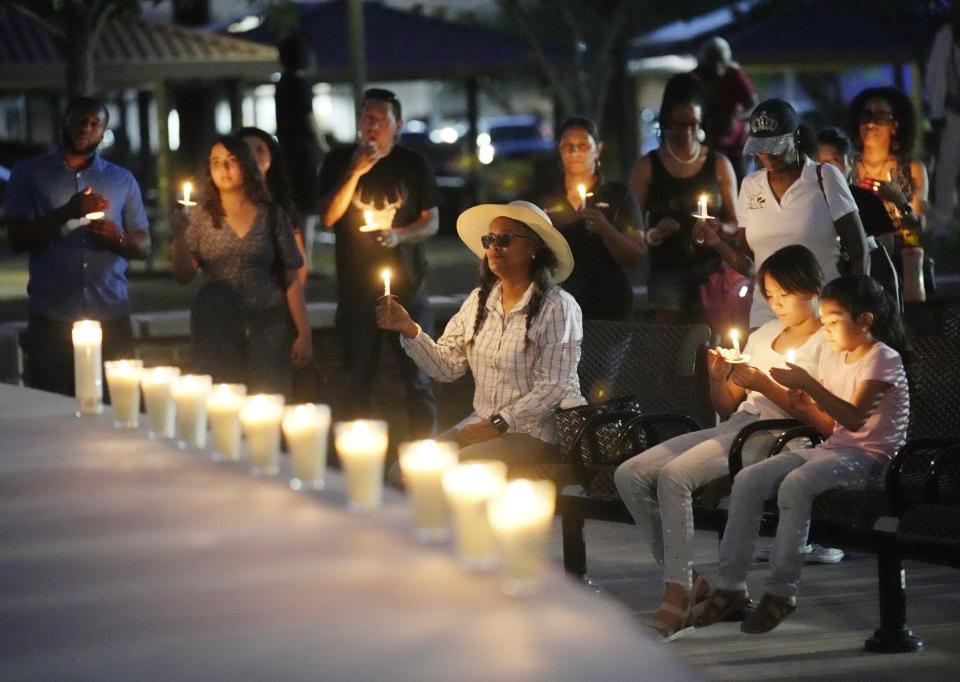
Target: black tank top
673,197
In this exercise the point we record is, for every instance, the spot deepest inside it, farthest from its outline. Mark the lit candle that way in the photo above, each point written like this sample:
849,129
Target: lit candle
187,189
223,411
190,396
744,290
87,372
306,427
95,215
123,380
261,415
735,337
792,356
422,463
467,488
582,192
156,383
386,282
362,448
368,219
702,206
520,517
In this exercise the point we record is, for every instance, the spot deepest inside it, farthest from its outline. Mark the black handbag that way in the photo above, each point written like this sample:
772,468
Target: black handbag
595,436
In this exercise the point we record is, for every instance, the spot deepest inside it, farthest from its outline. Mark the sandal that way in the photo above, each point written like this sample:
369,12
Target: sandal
671,622
701,589
772,610
720,605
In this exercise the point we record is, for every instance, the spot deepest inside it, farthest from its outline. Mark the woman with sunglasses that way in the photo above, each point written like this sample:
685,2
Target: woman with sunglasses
882,123
667,184
599,219
518,333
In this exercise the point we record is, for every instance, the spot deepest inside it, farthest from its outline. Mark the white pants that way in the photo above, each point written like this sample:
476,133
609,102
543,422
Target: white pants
795,477
657,487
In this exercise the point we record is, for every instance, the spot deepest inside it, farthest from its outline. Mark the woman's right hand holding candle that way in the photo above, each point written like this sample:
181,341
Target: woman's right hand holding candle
394,317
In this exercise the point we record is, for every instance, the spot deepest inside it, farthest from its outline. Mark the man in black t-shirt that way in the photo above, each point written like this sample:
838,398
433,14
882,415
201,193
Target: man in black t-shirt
378,184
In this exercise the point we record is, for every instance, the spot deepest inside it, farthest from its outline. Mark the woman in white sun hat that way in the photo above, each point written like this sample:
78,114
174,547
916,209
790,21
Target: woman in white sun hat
518,333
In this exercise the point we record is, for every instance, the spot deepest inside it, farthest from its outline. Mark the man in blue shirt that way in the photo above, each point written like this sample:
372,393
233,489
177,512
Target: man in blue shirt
81,218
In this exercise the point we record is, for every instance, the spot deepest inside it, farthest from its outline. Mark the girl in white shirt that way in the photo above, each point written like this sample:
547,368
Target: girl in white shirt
860,404
657,485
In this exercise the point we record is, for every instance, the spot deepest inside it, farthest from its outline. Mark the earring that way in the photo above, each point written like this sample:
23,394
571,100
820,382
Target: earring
701,135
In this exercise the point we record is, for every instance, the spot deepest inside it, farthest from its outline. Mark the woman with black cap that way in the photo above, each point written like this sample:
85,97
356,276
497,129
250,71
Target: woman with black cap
790,200
518,333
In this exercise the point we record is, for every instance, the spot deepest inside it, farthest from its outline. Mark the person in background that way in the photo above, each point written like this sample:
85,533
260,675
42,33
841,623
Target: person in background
518,333
730,97
657,485
943,88
791,200
248,322
667,184
382,185
835,148
882,123
858,399
602,226
271,164
77,264
297,134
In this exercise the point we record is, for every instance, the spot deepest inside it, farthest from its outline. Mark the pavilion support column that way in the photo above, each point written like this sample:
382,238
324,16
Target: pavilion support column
358,49
235,98
472,85
161,229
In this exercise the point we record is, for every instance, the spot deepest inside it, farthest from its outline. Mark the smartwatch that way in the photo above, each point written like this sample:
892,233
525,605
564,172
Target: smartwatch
499,423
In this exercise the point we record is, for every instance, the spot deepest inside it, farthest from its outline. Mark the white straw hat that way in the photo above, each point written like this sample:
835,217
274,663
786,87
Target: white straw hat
475,222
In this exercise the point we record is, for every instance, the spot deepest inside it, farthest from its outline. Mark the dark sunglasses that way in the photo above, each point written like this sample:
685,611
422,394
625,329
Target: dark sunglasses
501,240
878,117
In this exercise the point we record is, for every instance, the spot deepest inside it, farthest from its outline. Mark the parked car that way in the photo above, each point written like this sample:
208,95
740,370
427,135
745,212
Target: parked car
512,136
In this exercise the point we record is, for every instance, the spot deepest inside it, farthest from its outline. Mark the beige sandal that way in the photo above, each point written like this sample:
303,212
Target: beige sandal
720,605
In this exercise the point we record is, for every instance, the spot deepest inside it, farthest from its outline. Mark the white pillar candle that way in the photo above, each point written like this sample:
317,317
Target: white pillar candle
520,517
422,463
467,488
123,380
187,188
223,412
87,372
362,448
156,383
306,427
190,396
260,416
702,206
735,338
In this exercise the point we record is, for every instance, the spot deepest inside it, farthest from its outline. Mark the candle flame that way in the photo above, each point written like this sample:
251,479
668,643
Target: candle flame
792,356
187,189
744,290
368,218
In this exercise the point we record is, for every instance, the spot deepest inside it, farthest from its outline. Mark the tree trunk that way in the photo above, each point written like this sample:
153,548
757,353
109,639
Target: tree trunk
78,42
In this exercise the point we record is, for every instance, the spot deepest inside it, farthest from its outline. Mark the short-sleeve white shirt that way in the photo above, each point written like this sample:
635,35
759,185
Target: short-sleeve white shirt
802,216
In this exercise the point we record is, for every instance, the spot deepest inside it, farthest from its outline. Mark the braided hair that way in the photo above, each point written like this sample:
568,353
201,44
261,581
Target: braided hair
541,274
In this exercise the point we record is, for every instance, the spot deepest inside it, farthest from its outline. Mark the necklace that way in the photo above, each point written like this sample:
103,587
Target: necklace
686,162
877,171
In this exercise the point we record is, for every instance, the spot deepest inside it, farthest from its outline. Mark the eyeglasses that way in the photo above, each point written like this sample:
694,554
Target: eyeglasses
501,240
877,117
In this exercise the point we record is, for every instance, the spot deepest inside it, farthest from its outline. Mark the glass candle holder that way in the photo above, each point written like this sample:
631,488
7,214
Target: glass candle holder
520,517
223,412
305,428
422,463
467,487
156,383
260,416
189,393
87,372
362,448
123,380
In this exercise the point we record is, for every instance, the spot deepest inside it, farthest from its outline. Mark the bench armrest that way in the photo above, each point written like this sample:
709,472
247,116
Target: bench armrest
735,457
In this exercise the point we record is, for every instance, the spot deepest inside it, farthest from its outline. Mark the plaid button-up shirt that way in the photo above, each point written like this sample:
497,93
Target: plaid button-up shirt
524,382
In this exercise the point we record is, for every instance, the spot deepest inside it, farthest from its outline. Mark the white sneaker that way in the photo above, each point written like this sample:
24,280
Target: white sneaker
818,554
812,554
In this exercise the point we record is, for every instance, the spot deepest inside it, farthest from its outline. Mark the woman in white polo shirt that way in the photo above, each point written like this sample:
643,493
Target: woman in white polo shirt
790,200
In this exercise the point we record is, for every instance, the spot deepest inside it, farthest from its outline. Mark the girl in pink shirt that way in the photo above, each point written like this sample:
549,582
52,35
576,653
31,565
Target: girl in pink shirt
860,405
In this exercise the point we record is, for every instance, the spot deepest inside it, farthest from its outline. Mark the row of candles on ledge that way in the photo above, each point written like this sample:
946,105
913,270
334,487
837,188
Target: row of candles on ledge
493,521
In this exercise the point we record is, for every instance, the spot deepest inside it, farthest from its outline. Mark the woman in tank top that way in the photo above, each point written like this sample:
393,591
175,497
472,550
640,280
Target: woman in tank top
668,184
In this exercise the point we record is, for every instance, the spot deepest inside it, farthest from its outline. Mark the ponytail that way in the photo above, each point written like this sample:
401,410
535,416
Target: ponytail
858,294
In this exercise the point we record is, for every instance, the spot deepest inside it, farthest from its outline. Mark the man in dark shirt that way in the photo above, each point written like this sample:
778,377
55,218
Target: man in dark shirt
78,262
377,184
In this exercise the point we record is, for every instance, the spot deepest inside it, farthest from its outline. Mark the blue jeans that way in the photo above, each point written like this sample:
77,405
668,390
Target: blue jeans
795,477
